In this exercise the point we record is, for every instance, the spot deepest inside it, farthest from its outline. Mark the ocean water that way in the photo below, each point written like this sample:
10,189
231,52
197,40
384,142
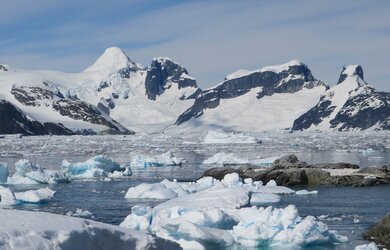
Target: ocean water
350,211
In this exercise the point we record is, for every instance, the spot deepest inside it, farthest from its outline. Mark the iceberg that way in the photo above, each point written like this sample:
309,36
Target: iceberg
3,172
305,192
218,217
166,159
369,246
7,197
225,159
80,213
150,191
98,166
261,199
35,196
27,172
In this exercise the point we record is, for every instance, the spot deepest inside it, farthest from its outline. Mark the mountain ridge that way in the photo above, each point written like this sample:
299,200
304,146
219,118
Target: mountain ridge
116,94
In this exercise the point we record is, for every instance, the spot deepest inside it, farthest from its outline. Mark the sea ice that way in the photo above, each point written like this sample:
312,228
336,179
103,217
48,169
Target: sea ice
219,136
150,191
80,213
35,196
7,197
369,246
166,159
3,172
261,199
27,172
305,192
97,166
225,159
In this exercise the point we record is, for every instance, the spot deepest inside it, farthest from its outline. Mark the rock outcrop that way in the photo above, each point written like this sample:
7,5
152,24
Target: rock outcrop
289,171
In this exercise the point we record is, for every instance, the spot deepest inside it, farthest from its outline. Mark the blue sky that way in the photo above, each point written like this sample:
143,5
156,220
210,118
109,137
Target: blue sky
210,38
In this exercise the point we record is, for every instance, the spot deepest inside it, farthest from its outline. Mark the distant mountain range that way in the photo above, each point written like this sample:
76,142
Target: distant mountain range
117,95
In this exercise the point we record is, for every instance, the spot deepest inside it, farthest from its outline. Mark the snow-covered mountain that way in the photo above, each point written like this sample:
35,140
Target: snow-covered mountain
269,98
118,95
350,105
113,95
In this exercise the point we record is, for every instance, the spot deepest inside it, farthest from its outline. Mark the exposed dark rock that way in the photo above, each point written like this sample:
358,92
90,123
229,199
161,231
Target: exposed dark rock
380,233
288,161
289,171
162,73
377,171
3,68
270,82
13,121
219,173
365,108
339,165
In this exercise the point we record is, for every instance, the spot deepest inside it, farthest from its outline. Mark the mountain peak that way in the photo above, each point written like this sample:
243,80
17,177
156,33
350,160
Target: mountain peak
351,71
113,59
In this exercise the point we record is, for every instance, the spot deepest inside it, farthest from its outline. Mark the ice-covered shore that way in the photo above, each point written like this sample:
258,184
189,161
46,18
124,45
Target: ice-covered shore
37,230
216,213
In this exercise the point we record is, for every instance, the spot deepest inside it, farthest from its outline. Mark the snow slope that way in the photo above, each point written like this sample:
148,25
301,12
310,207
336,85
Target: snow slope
36,230
247,113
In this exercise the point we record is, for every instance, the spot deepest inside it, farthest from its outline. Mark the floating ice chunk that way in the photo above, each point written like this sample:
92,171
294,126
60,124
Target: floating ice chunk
7,197
98,166
139,219
281,228
271,183
305,192
166,159
225,159
265,162
193,236
80,213
213,197
369,246
261,199
126,171
174,186
3,172
232,180
150,191
27,172
35,196
275,190
219,136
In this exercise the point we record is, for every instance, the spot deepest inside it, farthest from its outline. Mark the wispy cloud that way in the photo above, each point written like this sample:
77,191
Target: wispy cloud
210,38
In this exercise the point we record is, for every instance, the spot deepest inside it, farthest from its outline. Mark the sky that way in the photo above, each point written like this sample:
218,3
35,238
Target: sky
210,38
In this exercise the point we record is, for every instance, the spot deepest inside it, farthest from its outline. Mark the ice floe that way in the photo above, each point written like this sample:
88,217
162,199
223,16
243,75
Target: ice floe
97,166
80,213
27,172
7,197
369,246
166,159
225,159
305,192
212,213
35,196
219,136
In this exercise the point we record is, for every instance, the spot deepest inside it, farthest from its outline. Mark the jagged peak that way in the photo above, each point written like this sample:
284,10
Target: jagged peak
113,59
354,71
